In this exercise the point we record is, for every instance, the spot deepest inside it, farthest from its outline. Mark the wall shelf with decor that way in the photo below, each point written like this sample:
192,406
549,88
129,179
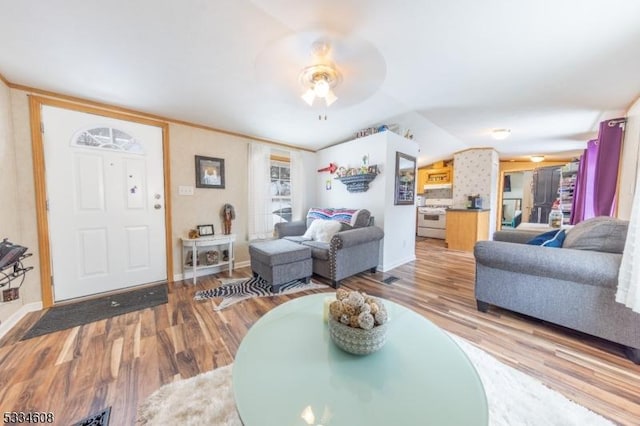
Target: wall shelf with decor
357,183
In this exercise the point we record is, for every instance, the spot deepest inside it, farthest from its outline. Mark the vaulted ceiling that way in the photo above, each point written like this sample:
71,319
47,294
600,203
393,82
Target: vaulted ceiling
447,71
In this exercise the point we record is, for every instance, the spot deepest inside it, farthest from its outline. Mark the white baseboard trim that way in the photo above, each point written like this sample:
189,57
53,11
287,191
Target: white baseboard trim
210,271
10,322
388,266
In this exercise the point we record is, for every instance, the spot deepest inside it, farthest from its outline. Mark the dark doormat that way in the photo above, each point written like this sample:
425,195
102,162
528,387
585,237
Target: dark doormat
99,419
75,314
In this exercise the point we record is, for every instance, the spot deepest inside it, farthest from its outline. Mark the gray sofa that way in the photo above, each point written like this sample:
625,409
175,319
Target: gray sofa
354,249
573,286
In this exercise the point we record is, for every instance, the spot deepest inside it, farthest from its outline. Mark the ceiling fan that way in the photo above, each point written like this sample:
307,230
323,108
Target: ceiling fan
320,79
320,67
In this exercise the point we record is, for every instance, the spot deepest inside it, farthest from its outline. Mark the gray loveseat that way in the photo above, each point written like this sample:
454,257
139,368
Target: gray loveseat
573,286
354,249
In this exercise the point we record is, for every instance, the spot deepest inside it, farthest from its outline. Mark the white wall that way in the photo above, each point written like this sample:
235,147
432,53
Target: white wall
398,222
630,160
310,194
349,154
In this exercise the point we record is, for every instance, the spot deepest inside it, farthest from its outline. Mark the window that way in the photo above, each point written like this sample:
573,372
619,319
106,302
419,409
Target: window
280,189
107,138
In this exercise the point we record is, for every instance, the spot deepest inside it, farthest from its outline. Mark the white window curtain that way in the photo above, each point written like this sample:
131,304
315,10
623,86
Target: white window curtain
297,185
260,219
628,292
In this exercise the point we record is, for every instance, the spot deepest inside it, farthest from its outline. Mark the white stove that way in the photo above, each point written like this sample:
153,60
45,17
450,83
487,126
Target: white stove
432,217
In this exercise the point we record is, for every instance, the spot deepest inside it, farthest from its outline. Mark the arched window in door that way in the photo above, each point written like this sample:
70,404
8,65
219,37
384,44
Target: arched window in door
107,138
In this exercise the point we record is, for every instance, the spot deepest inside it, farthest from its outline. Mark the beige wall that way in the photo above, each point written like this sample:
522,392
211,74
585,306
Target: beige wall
630,160
204,206
9,222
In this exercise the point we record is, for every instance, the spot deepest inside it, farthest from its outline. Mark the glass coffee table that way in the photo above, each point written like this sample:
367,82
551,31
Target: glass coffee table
288,372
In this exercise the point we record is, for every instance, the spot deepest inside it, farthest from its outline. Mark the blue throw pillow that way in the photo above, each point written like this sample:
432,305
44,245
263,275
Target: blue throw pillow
556,241
553,238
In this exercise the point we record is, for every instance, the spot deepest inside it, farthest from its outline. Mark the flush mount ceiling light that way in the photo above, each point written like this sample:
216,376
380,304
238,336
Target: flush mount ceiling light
319,81
500,134
537,158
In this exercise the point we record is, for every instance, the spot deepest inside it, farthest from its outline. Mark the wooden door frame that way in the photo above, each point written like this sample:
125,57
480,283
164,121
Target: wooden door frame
37,146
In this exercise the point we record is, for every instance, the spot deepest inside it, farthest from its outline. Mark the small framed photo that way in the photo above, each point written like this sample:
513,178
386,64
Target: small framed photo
205,230
209,172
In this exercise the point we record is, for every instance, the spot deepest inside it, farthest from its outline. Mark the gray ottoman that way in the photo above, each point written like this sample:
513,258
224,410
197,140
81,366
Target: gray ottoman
280,261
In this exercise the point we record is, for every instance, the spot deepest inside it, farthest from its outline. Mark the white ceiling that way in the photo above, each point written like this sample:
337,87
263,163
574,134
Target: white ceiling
449,71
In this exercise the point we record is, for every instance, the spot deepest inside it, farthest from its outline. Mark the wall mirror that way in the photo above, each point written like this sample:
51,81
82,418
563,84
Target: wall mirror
529,189
405,179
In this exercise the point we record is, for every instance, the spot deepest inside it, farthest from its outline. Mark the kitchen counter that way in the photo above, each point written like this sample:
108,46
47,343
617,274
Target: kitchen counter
465,227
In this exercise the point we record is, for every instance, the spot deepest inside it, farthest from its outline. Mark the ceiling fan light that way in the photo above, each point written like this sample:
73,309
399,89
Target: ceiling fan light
330,97
309,96
319,81
500,134
537,158
321,88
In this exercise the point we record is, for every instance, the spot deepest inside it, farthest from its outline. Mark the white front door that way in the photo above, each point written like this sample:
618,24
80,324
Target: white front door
105,193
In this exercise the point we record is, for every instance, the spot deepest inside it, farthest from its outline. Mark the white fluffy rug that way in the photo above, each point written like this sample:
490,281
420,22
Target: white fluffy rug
514,399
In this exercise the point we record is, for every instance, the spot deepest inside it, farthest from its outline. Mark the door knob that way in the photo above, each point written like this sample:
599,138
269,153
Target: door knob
157,196
157,206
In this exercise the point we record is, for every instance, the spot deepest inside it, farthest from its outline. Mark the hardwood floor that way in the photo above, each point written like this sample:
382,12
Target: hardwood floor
120,361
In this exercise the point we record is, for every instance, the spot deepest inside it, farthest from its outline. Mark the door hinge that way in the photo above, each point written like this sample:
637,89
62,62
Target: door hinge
41,127
47,205
51,280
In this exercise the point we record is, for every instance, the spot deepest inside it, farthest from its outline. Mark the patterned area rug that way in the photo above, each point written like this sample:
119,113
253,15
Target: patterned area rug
235,290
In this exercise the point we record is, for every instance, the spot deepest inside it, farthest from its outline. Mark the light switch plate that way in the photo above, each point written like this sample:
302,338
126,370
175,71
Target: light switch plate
185,190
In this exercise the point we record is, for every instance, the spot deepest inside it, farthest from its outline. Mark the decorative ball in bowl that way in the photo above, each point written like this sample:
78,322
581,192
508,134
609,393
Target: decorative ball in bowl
357,322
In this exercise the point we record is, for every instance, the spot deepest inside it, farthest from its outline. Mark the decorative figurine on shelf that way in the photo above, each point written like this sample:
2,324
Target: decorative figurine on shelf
228,213
364,167
193,233
225,255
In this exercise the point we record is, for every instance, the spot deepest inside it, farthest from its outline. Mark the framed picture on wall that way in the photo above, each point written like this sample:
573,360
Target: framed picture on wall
405,179
209,172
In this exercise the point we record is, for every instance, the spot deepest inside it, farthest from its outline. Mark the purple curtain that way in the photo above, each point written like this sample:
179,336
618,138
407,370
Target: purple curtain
595,190
606,171
582,207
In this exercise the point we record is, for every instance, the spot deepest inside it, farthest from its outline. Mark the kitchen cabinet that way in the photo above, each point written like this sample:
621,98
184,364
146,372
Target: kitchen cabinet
466,226
422,179
439,175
